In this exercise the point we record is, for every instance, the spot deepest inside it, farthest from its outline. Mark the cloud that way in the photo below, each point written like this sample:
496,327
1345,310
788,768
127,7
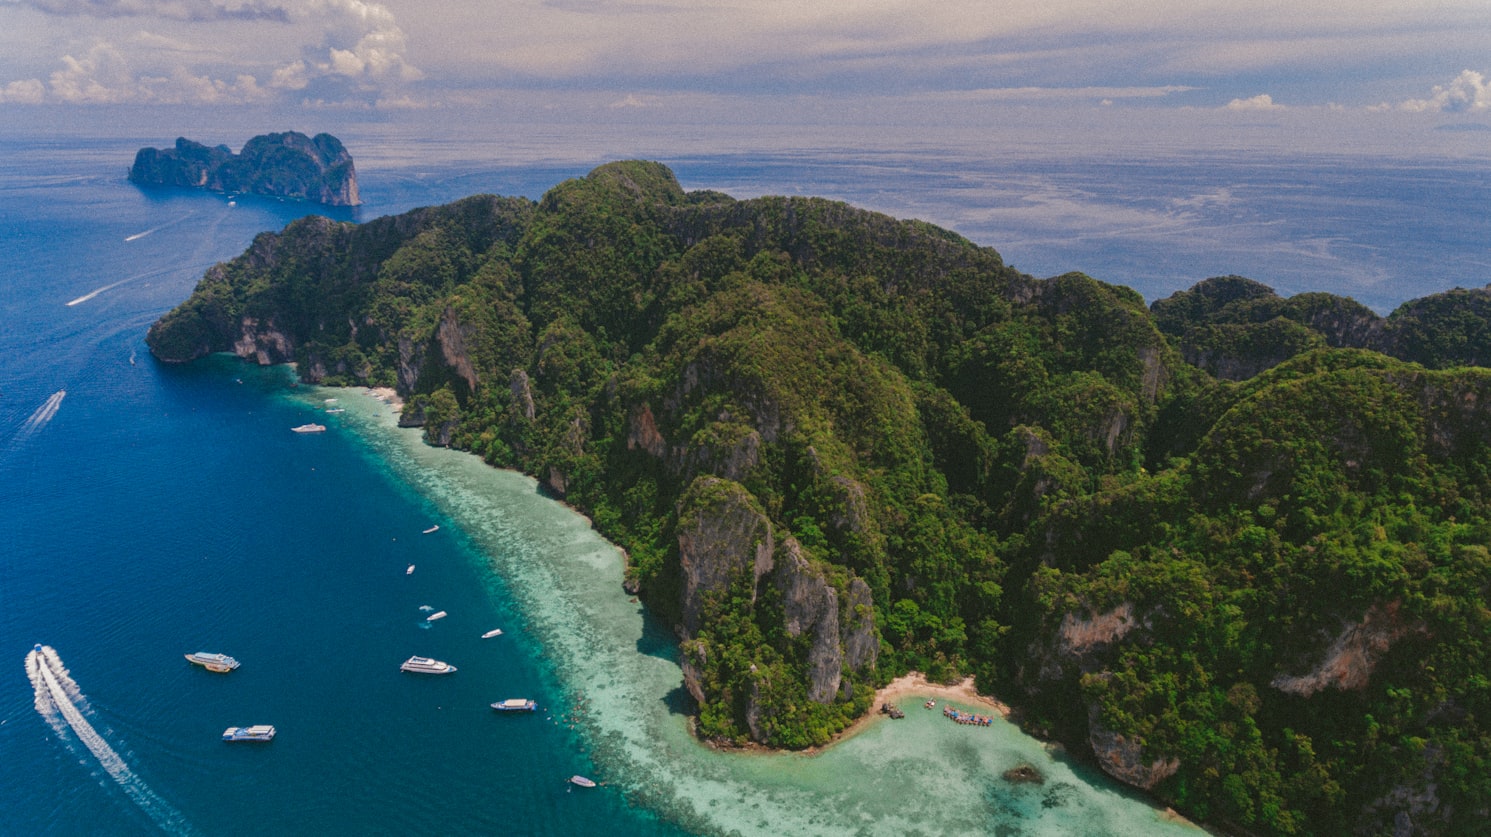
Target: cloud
28,92
192,10
1262,101
1468,92
346,48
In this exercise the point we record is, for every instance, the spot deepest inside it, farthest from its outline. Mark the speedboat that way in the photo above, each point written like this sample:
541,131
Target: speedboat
220,663
434,528
581,781
492,633
515,705
425,665
258,732
439,614
409,571
310,428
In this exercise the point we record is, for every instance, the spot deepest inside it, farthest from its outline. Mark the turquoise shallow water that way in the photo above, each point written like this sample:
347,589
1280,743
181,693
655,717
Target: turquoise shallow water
151,511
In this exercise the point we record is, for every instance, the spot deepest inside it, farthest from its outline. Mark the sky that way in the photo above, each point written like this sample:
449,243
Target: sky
1424,63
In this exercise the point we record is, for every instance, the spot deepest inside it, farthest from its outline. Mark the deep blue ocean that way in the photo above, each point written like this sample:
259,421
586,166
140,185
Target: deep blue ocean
148,511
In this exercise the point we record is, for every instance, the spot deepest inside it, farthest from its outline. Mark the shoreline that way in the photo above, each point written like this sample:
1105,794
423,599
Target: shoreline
916,685
388,395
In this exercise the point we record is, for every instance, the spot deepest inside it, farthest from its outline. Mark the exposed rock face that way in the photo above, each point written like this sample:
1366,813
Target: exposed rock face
1081,643
1083,638
1350,659
861,645
263,343
645,434
451,336
811,606
1123,758
522,391
722,533
288,165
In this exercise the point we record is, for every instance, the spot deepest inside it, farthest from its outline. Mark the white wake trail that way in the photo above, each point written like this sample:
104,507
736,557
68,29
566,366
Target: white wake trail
58,699
42,415
93,293
139,235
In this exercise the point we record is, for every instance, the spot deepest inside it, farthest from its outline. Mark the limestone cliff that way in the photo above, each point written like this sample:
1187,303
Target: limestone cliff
287,165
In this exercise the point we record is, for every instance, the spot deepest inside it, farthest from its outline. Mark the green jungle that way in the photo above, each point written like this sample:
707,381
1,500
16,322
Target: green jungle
1231,547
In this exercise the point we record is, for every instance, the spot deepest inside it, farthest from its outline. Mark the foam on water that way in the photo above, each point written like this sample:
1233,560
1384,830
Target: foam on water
920,775
61,703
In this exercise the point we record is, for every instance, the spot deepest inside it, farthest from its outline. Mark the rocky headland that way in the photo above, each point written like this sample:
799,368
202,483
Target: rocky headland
288,165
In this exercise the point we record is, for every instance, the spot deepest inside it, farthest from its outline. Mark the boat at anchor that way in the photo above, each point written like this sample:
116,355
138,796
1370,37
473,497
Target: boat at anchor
425,665
220,663
515,705
257,732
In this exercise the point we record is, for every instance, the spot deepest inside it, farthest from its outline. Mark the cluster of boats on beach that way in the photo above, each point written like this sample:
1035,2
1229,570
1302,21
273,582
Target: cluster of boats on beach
961,717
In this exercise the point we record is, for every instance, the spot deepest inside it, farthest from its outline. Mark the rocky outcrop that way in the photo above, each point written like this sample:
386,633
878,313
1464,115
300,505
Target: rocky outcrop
810,606
287,165
263,342
723,533
1352,656
522,392
1124,759
1081,644
450,335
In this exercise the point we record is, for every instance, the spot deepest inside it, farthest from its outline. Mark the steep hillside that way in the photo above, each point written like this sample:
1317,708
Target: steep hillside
837,446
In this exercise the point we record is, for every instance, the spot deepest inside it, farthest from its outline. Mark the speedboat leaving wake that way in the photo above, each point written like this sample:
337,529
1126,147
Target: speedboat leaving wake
62,704
139,235
43,414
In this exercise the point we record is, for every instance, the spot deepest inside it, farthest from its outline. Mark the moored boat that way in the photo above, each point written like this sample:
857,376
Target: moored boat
492,633
409,571
581,781
439,614
515,705
220,663
425,665
434,528
257,732
310,428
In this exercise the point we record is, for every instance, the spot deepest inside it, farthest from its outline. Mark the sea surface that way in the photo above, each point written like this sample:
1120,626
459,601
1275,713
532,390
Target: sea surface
148,511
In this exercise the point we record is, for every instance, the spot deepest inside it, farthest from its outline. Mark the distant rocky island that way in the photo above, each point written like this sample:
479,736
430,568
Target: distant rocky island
287,165
1231,547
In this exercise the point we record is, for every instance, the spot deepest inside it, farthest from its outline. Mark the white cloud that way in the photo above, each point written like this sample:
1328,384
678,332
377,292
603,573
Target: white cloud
354,48
193,10
1262,101
1469,91
28,92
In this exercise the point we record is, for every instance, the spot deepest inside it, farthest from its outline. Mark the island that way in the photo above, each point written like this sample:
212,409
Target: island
287,165
1231,547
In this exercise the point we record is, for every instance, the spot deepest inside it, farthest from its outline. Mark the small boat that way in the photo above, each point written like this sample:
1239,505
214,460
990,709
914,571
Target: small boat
258,732
335,410
310,428
439,614
425,665
492,633
580,781
330,401
434,528
409,571
220,663
515,705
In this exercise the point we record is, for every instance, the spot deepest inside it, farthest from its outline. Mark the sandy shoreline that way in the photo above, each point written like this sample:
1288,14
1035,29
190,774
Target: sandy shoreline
909,692
388,396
